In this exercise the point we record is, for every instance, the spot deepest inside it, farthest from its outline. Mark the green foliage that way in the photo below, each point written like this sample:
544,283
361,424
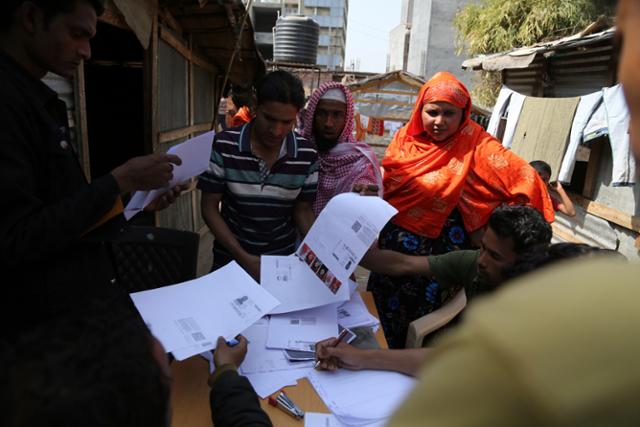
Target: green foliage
491,26
486,87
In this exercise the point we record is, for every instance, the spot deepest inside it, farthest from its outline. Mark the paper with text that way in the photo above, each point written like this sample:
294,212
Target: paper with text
296,286
194,153
342,234
301,330
189,317
354,313
260,359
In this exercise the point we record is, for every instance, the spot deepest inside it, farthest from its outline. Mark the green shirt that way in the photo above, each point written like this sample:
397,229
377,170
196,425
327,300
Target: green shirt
458,268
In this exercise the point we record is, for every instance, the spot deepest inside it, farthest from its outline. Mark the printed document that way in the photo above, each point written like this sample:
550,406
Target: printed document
259,358
342,234
189,317
354,313
296,286
301,330
194,153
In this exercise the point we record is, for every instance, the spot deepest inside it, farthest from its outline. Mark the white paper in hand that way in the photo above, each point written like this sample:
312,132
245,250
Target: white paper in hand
194,153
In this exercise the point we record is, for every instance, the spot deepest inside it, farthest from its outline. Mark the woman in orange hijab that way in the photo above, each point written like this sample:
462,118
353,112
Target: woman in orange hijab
445,175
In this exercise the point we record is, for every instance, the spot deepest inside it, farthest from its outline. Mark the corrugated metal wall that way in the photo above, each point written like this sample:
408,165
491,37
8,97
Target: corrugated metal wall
204,84
565,74
526,80
174,113
172,89
580,72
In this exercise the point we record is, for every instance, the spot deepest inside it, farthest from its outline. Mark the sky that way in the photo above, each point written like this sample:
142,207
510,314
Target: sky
368,26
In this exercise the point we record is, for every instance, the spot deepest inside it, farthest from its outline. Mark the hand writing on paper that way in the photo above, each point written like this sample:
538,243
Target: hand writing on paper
332,357
225,354
365,189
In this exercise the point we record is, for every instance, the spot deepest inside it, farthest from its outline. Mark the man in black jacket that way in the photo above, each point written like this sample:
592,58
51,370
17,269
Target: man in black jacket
50,262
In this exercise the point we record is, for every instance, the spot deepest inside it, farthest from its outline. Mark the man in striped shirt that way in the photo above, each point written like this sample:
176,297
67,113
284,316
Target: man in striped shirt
262,180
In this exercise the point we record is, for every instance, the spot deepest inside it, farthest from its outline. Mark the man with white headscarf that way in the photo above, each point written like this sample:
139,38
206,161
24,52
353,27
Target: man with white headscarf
345,165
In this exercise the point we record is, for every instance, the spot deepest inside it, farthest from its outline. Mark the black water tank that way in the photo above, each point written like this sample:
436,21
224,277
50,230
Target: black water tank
296,39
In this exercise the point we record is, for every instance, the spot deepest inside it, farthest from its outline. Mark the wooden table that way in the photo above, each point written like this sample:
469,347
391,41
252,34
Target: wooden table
190,392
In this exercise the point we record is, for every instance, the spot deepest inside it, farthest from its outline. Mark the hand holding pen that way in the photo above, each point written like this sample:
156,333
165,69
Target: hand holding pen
329,355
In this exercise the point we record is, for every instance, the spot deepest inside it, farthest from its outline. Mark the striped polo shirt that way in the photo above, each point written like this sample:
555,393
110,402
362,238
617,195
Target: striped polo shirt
257,202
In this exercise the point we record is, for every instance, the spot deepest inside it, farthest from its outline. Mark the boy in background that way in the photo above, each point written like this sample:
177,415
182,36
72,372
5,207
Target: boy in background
561,201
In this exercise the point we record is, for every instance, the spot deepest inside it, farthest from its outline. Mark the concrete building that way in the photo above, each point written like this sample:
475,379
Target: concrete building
330,14
399,36
430,45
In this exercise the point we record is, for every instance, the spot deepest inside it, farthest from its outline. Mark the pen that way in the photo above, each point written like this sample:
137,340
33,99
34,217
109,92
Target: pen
342,335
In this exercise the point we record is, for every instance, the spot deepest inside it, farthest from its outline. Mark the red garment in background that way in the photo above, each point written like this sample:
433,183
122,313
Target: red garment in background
242,116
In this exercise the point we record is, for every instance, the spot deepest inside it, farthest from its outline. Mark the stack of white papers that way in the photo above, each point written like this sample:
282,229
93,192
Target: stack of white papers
358,398
189,317
268,370
194,153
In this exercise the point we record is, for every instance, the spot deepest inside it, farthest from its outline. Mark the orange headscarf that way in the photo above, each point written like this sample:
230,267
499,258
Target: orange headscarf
242,116
425,180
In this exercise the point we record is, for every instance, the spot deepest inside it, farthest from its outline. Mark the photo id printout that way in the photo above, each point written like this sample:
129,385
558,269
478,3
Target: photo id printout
189,317
342,234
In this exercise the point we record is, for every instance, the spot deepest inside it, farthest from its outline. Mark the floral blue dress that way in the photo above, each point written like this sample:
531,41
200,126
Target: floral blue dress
401,300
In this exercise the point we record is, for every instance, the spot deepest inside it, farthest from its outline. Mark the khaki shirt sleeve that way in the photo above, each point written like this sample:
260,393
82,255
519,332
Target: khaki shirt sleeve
451,394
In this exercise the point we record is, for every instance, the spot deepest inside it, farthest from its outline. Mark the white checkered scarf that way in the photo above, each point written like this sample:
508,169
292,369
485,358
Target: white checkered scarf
346,164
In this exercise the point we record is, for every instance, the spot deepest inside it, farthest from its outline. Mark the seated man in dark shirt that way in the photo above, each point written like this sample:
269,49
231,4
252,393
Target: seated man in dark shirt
513,233
106,370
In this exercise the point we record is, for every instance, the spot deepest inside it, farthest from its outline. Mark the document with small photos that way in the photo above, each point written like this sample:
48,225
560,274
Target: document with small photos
318,273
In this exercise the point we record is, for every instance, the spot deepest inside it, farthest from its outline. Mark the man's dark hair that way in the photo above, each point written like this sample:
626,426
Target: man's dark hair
541,166
242,97
51,8
95,369
526,226
281,86
558,252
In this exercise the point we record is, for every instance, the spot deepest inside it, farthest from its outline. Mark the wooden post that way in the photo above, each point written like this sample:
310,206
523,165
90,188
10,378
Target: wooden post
593,167
192,121
151,95
81,119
